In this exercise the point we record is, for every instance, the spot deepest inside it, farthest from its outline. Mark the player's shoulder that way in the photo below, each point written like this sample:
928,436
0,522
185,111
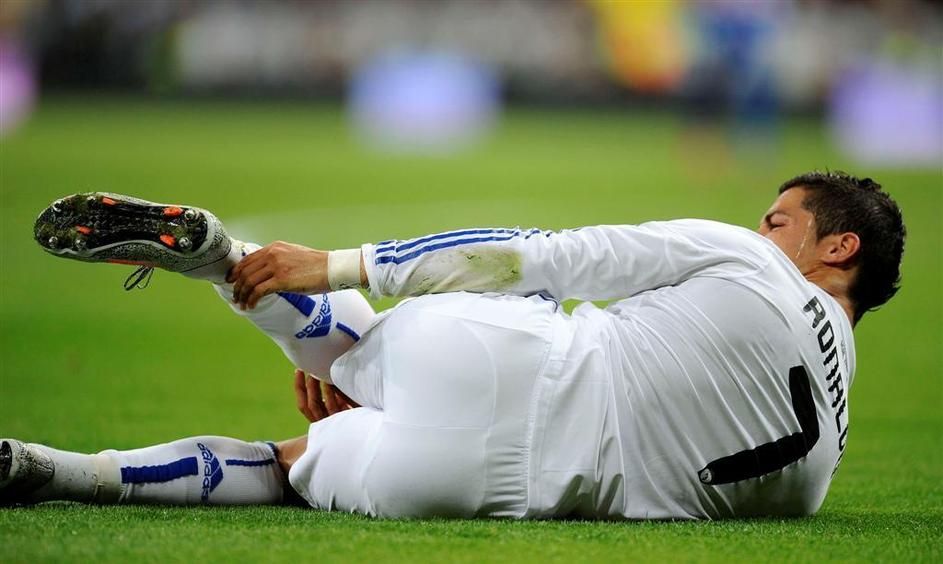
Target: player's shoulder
751,254
724,237
711,226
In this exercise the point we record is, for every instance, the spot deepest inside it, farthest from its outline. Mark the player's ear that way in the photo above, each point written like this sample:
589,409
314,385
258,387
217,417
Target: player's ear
839,249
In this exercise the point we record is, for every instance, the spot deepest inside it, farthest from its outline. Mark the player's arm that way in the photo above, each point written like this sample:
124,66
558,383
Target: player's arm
286,267
592,263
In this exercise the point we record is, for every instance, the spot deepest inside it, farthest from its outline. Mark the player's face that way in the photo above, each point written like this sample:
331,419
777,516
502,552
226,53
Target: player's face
790,226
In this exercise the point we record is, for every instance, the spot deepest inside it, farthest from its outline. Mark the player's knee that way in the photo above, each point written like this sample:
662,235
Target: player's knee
343,318
353,311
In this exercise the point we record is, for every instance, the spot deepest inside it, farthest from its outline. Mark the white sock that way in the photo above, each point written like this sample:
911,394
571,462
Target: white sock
197,470
89,478
216,272
210,470
312,330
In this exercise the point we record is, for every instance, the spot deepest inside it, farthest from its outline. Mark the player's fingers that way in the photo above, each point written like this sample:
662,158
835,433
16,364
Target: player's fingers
301,395
339,400
315,403
330,400
260,263
305,409
260,291
299,382
345,398
247,274
246,262
345,402
249,283
244,271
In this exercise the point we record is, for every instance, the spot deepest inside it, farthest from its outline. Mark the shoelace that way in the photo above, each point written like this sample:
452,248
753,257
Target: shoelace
140,278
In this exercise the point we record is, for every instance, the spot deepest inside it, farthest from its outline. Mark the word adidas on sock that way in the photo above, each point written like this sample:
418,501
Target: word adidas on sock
320,325
212,471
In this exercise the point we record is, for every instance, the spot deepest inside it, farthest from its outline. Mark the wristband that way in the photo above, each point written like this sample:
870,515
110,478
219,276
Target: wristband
343,269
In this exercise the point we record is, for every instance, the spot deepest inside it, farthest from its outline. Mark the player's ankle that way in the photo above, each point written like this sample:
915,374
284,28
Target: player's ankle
87,478
216,272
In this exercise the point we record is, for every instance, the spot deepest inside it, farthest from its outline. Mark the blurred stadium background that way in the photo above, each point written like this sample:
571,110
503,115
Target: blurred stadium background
416,74
329,123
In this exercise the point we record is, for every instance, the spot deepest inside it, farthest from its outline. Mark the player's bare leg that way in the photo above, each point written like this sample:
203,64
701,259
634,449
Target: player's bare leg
290,451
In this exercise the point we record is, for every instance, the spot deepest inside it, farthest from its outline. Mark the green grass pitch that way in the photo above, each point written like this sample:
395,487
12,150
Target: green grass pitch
86,365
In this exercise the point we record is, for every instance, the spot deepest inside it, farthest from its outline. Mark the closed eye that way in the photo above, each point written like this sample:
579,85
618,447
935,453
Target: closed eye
774,220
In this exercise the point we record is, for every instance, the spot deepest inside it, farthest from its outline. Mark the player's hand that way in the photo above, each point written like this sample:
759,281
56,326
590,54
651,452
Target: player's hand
318,400
278,267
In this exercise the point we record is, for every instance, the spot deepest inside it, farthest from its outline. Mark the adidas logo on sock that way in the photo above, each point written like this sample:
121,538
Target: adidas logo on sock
212,472
320,325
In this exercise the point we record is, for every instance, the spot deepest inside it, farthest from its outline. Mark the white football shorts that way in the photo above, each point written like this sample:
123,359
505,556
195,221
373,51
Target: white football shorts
447,385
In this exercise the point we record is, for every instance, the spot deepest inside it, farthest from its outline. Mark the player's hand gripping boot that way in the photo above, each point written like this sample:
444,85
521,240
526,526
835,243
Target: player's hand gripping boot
23,469
103,227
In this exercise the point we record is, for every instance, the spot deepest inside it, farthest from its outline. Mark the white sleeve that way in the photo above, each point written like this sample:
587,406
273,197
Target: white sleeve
589,263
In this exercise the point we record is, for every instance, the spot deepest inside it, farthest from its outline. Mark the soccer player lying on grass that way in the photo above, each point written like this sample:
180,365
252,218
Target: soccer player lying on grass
715,387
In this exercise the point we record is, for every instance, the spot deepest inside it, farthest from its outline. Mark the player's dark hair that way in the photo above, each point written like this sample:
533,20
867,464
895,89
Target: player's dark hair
843,203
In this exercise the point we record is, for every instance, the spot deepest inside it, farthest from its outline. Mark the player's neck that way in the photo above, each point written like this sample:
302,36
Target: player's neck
836,283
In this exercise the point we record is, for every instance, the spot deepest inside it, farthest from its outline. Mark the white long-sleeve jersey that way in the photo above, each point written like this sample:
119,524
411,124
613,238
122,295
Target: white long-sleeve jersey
716,386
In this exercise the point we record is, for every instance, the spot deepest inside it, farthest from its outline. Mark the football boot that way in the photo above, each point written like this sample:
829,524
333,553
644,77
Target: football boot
104,227
23,469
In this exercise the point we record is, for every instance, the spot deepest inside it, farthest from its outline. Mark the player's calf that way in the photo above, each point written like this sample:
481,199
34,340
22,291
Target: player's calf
197,470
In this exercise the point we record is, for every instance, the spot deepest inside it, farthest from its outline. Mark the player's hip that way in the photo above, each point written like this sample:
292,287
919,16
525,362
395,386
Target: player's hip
460,380
449,348
536,382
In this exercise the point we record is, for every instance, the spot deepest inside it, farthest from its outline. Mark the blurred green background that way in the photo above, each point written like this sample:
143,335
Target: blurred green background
87,365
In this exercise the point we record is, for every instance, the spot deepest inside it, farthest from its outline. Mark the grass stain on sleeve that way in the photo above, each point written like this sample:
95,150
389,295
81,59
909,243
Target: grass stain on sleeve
474,270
